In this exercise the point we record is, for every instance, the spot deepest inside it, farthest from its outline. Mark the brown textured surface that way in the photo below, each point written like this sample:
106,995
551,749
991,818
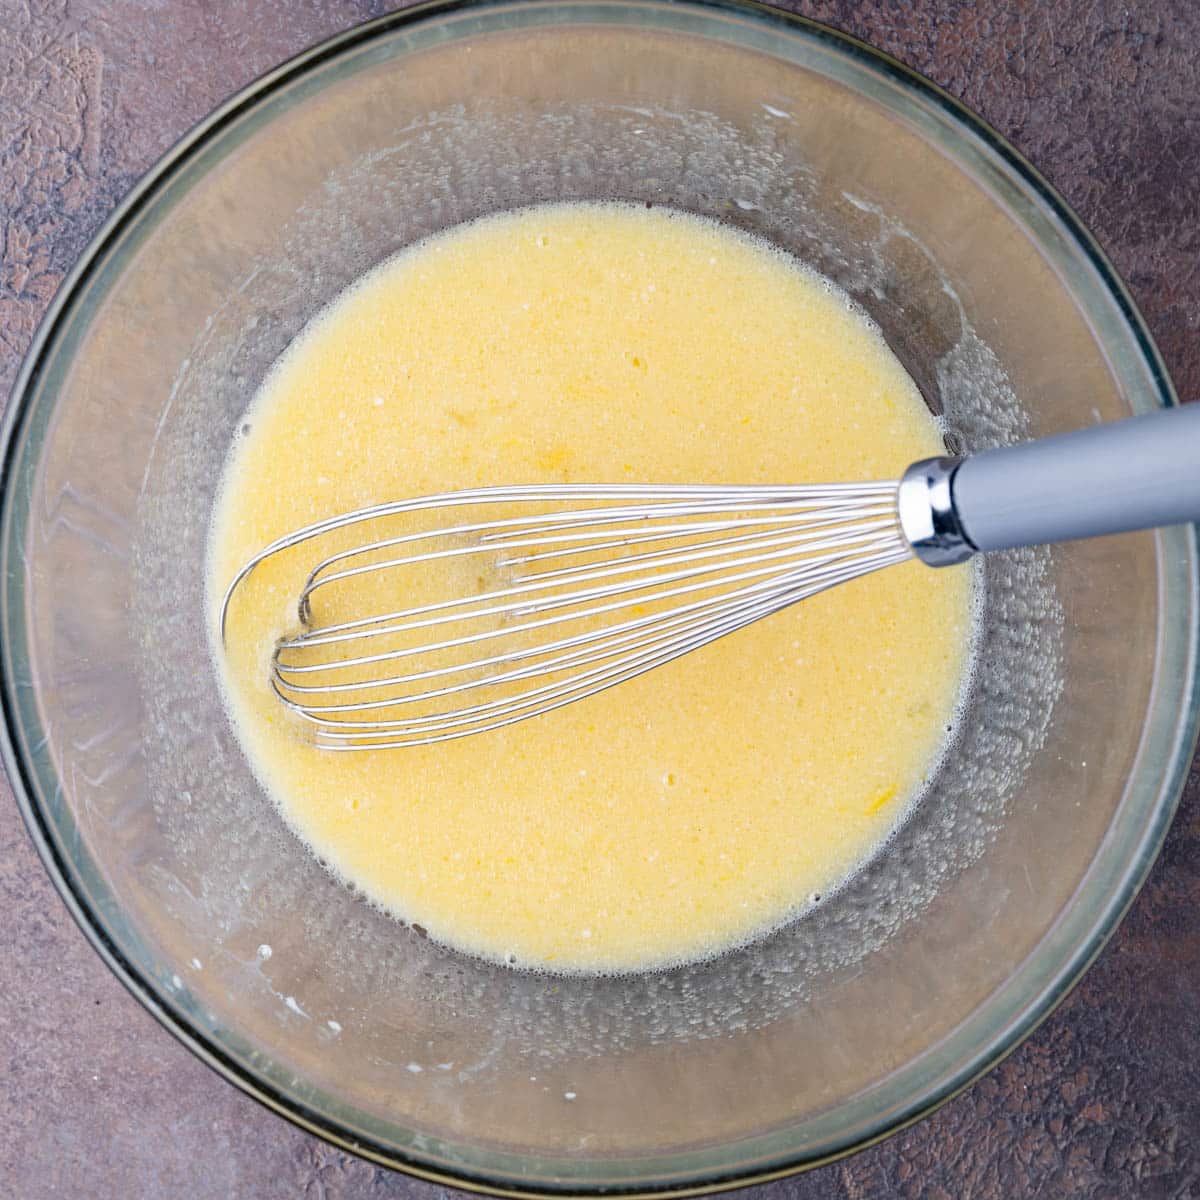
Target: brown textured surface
1103,1101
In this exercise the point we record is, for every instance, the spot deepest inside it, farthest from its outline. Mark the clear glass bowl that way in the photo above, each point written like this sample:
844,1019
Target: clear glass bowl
956,941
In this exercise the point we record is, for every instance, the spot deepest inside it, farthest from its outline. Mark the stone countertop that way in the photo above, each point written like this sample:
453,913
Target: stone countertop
1103,1101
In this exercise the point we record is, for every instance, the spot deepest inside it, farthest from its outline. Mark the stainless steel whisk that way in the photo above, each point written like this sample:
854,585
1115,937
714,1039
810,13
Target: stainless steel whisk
594,584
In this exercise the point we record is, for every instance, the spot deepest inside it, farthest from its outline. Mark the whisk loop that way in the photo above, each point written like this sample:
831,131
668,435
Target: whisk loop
591,585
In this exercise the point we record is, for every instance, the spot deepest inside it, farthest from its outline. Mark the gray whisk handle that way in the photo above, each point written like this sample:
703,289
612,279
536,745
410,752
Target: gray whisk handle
1133,474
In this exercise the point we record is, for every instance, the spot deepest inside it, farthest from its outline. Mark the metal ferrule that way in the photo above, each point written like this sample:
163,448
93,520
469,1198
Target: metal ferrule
928,519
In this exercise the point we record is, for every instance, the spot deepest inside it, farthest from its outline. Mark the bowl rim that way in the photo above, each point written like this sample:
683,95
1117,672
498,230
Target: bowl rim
150,995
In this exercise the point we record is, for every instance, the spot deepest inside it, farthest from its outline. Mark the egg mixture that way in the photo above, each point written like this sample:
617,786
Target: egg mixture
707,801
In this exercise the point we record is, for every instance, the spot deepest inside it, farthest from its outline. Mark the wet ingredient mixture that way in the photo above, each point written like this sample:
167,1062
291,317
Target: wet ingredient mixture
697,806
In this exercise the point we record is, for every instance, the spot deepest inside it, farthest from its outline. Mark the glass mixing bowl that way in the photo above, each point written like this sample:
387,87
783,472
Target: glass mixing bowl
1036,831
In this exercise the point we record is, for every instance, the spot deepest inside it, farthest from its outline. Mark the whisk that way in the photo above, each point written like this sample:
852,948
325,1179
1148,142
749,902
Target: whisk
581,587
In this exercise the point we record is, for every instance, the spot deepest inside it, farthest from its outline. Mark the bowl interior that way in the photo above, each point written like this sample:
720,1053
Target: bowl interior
1035,831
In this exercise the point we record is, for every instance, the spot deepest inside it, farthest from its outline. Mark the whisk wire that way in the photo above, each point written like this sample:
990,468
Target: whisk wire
611,636
629,580
495,714
349,631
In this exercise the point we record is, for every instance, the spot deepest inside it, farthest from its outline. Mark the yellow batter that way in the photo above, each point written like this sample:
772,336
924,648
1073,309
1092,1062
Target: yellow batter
707,801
